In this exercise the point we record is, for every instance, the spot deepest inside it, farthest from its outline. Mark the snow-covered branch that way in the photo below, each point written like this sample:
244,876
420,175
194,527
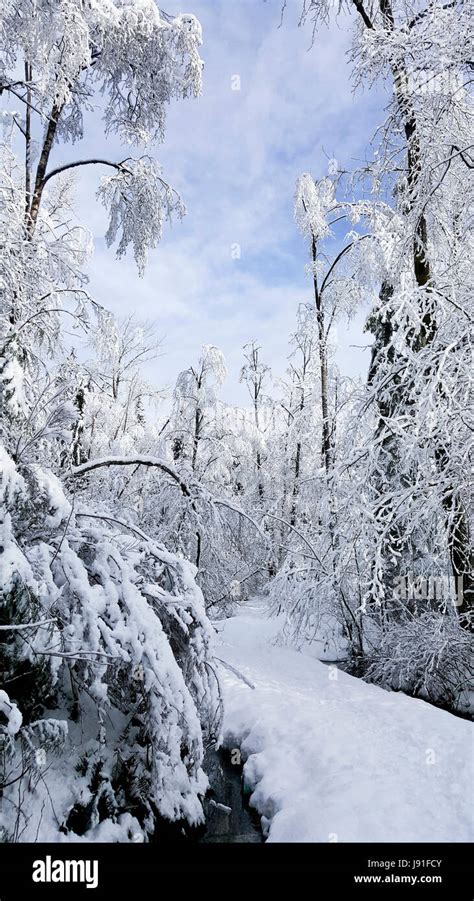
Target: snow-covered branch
136,460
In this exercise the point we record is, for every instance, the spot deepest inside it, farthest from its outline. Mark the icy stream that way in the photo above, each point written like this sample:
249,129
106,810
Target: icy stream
229,818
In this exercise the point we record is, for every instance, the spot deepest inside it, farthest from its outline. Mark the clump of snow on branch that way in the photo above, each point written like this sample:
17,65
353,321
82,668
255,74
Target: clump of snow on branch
12,718
314,199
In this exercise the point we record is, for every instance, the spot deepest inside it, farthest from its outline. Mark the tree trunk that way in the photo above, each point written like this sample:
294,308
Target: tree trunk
323,368
42,166
28,77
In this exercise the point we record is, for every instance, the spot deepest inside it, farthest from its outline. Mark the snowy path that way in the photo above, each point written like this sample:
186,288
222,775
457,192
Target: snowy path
335,759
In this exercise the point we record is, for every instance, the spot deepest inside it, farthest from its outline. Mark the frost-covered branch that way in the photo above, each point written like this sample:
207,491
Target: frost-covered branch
138,200
141,460
235,509
17,627
92,162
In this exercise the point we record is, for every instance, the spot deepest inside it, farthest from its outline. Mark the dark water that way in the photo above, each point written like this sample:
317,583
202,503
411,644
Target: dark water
229,818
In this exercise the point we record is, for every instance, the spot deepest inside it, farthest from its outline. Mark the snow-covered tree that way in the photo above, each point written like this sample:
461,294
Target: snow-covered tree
402,494
254,373
108,685
425,159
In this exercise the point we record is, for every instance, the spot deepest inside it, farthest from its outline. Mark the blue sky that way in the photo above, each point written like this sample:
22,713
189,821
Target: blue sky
234,156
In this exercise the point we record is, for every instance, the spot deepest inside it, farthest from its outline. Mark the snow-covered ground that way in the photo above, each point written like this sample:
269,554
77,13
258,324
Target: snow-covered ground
331,758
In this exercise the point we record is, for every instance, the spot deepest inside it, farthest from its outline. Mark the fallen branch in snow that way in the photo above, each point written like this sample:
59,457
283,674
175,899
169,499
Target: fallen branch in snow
219,715
222,807
236,672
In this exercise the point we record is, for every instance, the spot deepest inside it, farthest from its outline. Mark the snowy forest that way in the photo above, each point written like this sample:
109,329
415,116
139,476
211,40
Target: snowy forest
284,585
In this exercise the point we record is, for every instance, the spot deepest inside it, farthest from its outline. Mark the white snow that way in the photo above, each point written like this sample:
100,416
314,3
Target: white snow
10,711
332,758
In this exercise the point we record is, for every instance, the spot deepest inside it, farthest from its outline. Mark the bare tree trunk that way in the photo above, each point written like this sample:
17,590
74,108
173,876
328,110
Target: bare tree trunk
198,421
323,368
389,460
295,483
28,77
298,454
42,166
256,394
